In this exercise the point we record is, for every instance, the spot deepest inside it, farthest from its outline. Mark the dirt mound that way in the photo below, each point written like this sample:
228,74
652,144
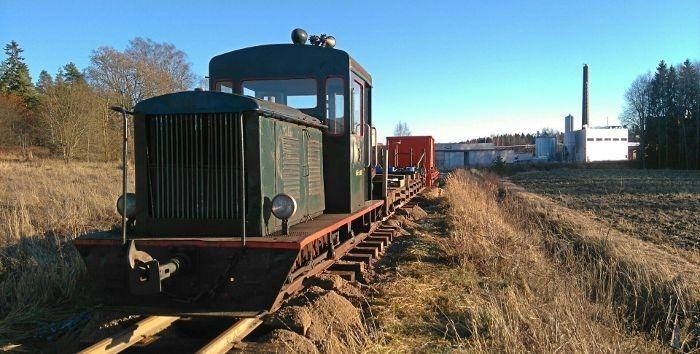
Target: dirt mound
406,223
417,213
282,340
328,320
293,318
411,214
350,291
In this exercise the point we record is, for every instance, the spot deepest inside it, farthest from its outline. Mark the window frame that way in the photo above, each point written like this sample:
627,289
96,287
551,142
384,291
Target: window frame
360,82
325,100
241,81
217,85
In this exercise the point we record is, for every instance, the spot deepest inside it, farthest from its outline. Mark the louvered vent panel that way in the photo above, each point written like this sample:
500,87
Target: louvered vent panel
315,164
291,167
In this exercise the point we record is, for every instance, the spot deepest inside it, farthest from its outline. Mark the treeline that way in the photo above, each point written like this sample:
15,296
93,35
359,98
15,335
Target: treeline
515,139
504,139
68,113
662,110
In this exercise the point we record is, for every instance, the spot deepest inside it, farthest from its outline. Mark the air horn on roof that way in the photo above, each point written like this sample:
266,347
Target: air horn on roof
299,36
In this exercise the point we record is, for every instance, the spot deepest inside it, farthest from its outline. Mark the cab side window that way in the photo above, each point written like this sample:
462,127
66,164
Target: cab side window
335,106
357,107
224,86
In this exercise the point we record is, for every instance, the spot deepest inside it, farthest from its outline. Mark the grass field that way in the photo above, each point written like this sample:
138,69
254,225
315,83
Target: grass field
660,206
489,271
43,205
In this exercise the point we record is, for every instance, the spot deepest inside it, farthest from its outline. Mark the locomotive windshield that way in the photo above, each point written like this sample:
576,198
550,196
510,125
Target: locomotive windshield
297,93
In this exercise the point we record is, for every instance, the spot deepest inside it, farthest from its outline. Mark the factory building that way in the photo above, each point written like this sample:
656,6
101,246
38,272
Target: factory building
608,143
452,156
596,144
588,144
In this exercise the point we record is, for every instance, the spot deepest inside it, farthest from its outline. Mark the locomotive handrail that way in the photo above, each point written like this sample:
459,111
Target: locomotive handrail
368,145
125,174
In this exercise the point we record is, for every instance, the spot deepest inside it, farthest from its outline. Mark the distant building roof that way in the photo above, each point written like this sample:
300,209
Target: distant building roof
464,146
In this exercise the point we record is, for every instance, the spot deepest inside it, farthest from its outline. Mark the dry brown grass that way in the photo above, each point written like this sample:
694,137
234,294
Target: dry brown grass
488,281
43,204
653,289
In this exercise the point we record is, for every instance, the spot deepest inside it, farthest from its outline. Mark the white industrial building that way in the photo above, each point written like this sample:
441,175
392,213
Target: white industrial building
590,144
596,144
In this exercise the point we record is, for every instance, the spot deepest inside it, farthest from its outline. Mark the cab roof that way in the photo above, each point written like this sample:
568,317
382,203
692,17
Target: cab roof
283,61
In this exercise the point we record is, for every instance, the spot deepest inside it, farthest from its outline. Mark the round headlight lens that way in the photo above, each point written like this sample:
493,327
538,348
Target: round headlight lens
130,205
283,206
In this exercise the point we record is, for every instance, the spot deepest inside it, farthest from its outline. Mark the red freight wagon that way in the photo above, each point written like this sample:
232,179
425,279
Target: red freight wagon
413,151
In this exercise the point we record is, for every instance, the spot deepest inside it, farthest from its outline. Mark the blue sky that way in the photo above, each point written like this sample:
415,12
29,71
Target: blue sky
452,69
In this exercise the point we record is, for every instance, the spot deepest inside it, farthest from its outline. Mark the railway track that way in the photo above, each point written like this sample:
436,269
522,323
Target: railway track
145,332
349,263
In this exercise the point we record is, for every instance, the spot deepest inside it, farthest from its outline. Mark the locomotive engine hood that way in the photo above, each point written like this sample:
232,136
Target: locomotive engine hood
203,160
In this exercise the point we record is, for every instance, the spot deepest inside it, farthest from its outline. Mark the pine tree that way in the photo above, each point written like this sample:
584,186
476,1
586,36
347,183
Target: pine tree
689,108
72,75
658,113
44,83
671,118
15,77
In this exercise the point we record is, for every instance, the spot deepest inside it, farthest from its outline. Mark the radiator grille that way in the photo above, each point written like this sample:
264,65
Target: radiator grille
193,167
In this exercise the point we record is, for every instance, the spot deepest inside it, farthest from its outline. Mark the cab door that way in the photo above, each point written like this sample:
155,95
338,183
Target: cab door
358,146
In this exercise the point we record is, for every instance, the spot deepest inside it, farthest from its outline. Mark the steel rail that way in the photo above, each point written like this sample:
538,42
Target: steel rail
228,338
144,329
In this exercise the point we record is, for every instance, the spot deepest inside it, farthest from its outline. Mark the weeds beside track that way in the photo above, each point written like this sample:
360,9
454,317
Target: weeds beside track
481,277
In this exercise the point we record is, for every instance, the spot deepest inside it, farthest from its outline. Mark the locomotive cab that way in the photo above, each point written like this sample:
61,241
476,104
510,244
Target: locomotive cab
322,82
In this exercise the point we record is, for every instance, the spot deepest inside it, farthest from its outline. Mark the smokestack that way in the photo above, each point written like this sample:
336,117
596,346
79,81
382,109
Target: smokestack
584,112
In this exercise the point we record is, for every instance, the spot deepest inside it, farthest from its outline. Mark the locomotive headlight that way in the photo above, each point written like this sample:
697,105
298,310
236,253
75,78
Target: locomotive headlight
283,206
130,205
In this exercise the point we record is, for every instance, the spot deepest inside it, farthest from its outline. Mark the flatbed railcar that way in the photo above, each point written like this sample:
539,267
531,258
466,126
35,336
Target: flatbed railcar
245,190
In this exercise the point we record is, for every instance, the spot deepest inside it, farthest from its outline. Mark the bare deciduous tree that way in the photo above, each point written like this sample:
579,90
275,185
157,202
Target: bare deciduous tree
70,114
636,111
401,129
144,69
